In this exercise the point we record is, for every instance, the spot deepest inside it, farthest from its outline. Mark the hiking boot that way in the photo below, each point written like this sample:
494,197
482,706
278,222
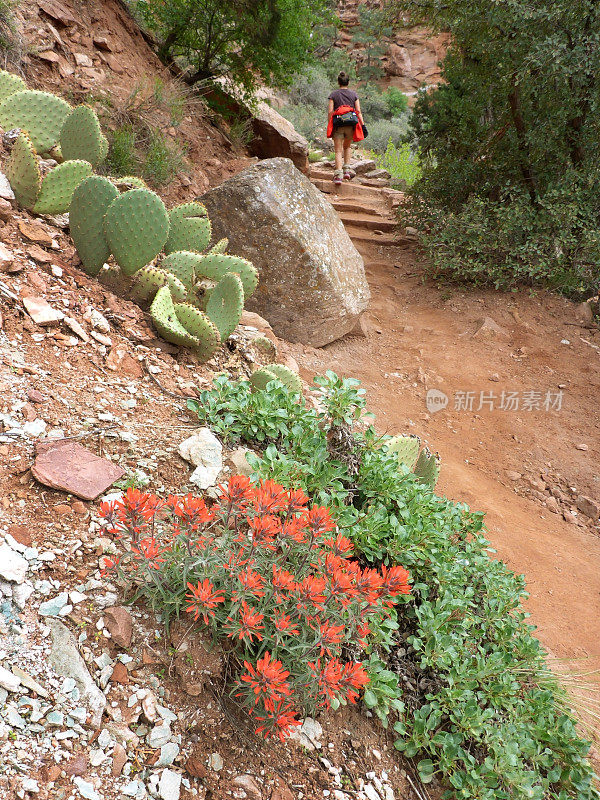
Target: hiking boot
347,173
338,177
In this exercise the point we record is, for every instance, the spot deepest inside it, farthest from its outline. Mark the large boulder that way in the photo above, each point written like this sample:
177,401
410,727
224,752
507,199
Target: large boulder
274,136
312,285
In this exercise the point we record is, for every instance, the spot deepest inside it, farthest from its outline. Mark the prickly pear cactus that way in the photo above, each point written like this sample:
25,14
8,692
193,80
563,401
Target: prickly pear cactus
23,171
165,320
218,248
261,377
190,228
128,182
225,304
148,280
427,468
183,264
89,204
217,266
287,376
41,114
81,137
136,226
405,448
198,324
58,186
9,84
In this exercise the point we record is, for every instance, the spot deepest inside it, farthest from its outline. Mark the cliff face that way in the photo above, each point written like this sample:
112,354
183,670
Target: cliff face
413,53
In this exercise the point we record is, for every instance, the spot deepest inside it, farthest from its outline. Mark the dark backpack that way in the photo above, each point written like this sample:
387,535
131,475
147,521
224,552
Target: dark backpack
349,118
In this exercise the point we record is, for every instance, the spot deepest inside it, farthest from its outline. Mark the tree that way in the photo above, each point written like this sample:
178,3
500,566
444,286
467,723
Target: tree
515,123
249,41
373,26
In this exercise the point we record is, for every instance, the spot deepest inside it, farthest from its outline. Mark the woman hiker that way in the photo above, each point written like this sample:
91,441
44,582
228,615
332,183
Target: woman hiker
345,125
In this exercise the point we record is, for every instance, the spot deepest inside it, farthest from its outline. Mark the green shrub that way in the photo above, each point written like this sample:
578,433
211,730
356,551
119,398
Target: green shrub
309,121
397,101
122,158
401,162
486,714
162,161
311,88
384,131
509,242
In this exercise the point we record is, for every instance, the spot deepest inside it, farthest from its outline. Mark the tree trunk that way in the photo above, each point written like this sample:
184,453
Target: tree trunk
514,101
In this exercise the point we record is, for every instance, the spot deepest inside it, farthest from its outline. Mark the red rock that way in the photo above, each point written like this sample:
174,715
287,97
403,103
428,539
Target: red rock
62,510
78,507
119,760
120,625
52,773
589,507
39,255
35,233
29,412
119,360
120,674
282,793
6,210
77,765
35,397
195,767
69,466
42,312
20,534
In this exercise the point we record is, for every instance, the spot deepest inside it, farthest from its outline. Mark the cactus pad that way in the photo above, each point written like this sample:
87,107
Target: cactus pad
190,228
225,304
427,468
89,204
199,325
23,171
405,448
217,266
41,114
58,187
136,226
165,320
9,84
82,138
183,265
261,377
129,182
219,247
148,280
287,376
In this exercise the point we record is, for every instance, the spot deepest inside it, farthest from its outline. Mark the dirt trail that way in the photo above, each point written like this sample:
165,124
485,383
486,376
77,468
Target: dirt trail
516,465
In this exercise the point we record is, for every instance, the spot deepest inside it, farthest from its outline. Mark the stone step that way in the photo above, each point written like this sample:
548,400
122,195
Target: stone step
350,206
368,222
365,236
347,189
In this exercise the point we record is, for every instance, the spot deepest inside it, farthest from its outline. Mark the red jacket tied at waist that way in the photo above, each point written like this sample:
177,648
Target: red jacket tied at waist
358,131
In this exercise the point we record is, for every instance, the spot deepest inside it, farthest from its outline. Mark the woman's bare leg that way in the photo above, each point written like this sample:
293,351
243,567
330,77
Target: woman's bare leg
338,144
347,153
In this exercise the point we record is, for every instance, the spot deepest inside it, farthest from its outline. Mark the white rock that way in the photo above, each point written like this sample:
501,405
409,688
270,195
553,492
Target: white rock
9,681
99,322
34,428
308,734
21,594
149,707
13,567
205,452
215,762
5,188
30,785
158,736
169,787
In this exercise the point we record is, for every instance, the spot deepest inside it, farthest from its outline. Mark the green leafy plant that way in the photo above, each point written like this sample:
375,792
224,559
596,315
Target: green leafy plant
401,162
485,714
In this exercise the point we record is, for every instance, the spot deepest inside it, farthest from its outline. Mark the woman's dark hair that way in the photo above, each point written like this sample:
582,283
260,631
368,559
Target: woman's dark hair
343,79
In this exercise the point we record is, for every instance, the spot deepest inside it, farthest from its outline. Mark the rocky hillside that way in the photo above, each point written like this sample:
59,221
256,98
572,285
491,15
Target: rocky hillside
94,52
